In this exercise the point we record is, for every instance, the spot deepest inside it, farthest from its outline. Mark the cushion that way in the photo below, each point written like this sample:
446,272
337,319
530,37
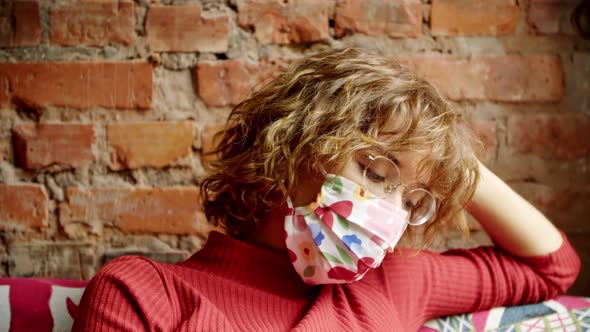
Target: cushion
564,313
38,304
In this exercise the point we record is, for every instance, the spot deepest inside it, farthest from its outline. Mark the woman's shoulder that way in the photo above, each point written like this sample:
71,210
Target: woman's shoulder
132,271
130,277
135,270
413,263
124,264
126,291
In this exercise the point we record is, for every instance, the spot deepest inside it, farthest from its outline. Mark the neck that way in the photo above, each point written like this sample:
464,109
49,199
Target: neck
270,231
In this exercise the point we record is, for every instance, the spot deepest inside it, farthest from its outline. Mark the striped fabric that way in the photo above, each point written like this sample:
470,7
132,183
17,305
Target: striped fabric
563,314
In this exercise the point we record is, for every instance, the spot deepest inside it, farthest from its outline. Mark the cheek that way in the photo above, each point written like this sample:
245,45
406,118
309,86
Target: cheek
353,172
307,191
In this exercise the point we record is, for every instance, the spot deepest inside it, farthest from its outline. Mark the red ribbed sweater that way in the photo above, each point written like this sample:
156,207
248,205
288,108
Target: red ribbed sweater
235,286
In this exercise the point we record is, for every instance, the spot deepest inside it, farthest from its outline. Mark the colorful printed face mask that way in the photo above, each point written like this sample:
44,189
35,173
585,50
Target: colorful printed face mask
343,233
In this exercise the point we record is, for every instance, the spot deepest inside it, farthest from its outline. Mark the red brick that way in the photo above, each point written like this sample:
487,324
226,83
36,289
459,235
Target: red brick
209,142
23,206
285,22
5,151
156,144
498,78
485,131
40,145
567,207
170,257
185,29
392,18
473,17
20,23
562,136
93,23
60,259
579,241
173,210
81,85
228,82
550,16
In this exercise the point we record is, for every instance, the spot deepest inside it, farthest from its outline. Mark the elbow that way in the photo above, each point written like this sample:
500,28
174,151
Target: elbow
565,274
571,273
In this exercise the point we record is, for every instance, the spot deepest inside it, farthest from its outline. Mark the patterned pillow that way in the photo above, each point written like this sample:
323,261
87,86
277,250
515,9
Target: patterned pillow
38,304
564,313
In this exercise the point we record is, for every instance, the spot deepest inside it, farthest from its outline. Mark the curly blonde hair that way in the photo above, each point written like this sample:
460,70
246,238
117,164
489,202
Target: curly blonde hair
320,111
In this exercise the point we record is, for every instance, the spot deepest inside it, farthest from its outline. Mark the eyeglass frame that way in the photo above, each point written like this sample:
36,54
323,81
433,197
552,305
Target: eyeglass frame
395,186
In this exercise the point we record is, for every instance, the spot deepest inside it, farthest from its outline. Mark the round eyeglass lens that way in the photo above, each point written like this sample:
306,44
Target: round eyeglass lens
420,204
380,176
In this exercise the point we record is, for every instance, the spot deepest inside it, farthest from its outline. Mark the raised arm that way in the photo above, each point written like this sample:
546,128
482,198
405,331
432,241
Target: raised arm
532,261
513,223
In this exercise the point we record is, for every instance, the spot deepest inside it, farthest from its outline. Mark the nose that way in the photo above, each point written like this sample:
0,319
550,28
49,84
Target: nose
396,193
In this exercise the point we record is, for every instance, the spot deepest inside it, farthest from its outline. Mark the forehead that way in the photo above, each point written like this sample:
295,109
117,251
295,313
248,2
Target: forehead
408,162
408,158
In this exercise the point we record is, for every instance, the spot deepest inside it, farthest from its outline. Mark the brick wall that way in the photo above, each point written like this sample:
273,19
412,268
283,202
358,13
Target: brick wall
107,106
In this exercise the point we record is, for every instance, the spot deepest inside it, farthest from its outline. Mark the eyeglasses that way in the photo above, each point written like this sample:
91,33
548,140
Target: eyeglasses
381,177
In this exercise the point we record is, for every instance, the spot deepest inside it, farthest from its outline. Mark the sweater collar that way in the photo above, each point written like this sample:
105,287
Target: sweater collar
256,266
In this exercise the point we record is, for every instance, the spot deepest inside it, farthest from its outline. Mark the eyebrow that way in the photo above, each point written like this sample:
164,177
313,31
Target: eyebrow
387,154
396,161
393,158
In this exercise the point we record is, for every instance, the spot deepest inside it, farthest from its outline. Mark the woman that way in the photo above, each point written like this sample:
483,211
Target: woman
318,176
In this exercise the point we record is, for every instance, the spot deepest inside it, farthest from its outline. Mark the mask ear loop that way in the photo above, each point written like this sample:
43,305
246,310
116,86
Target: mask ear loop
323,170
326,174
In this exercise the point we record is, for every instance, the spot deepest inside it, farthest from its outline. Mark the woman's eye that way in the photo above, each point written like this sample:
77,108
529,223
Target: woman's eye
408,203
374,176
414,204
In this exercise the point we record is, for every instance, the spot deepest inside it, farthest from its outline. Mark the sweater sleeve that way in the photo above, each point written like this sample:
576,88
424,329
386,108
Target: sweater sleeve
121,297
469,280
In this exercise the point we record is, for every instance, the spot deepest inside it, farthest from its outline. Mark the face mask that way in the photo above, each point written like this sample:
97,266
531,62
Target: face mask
343,233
